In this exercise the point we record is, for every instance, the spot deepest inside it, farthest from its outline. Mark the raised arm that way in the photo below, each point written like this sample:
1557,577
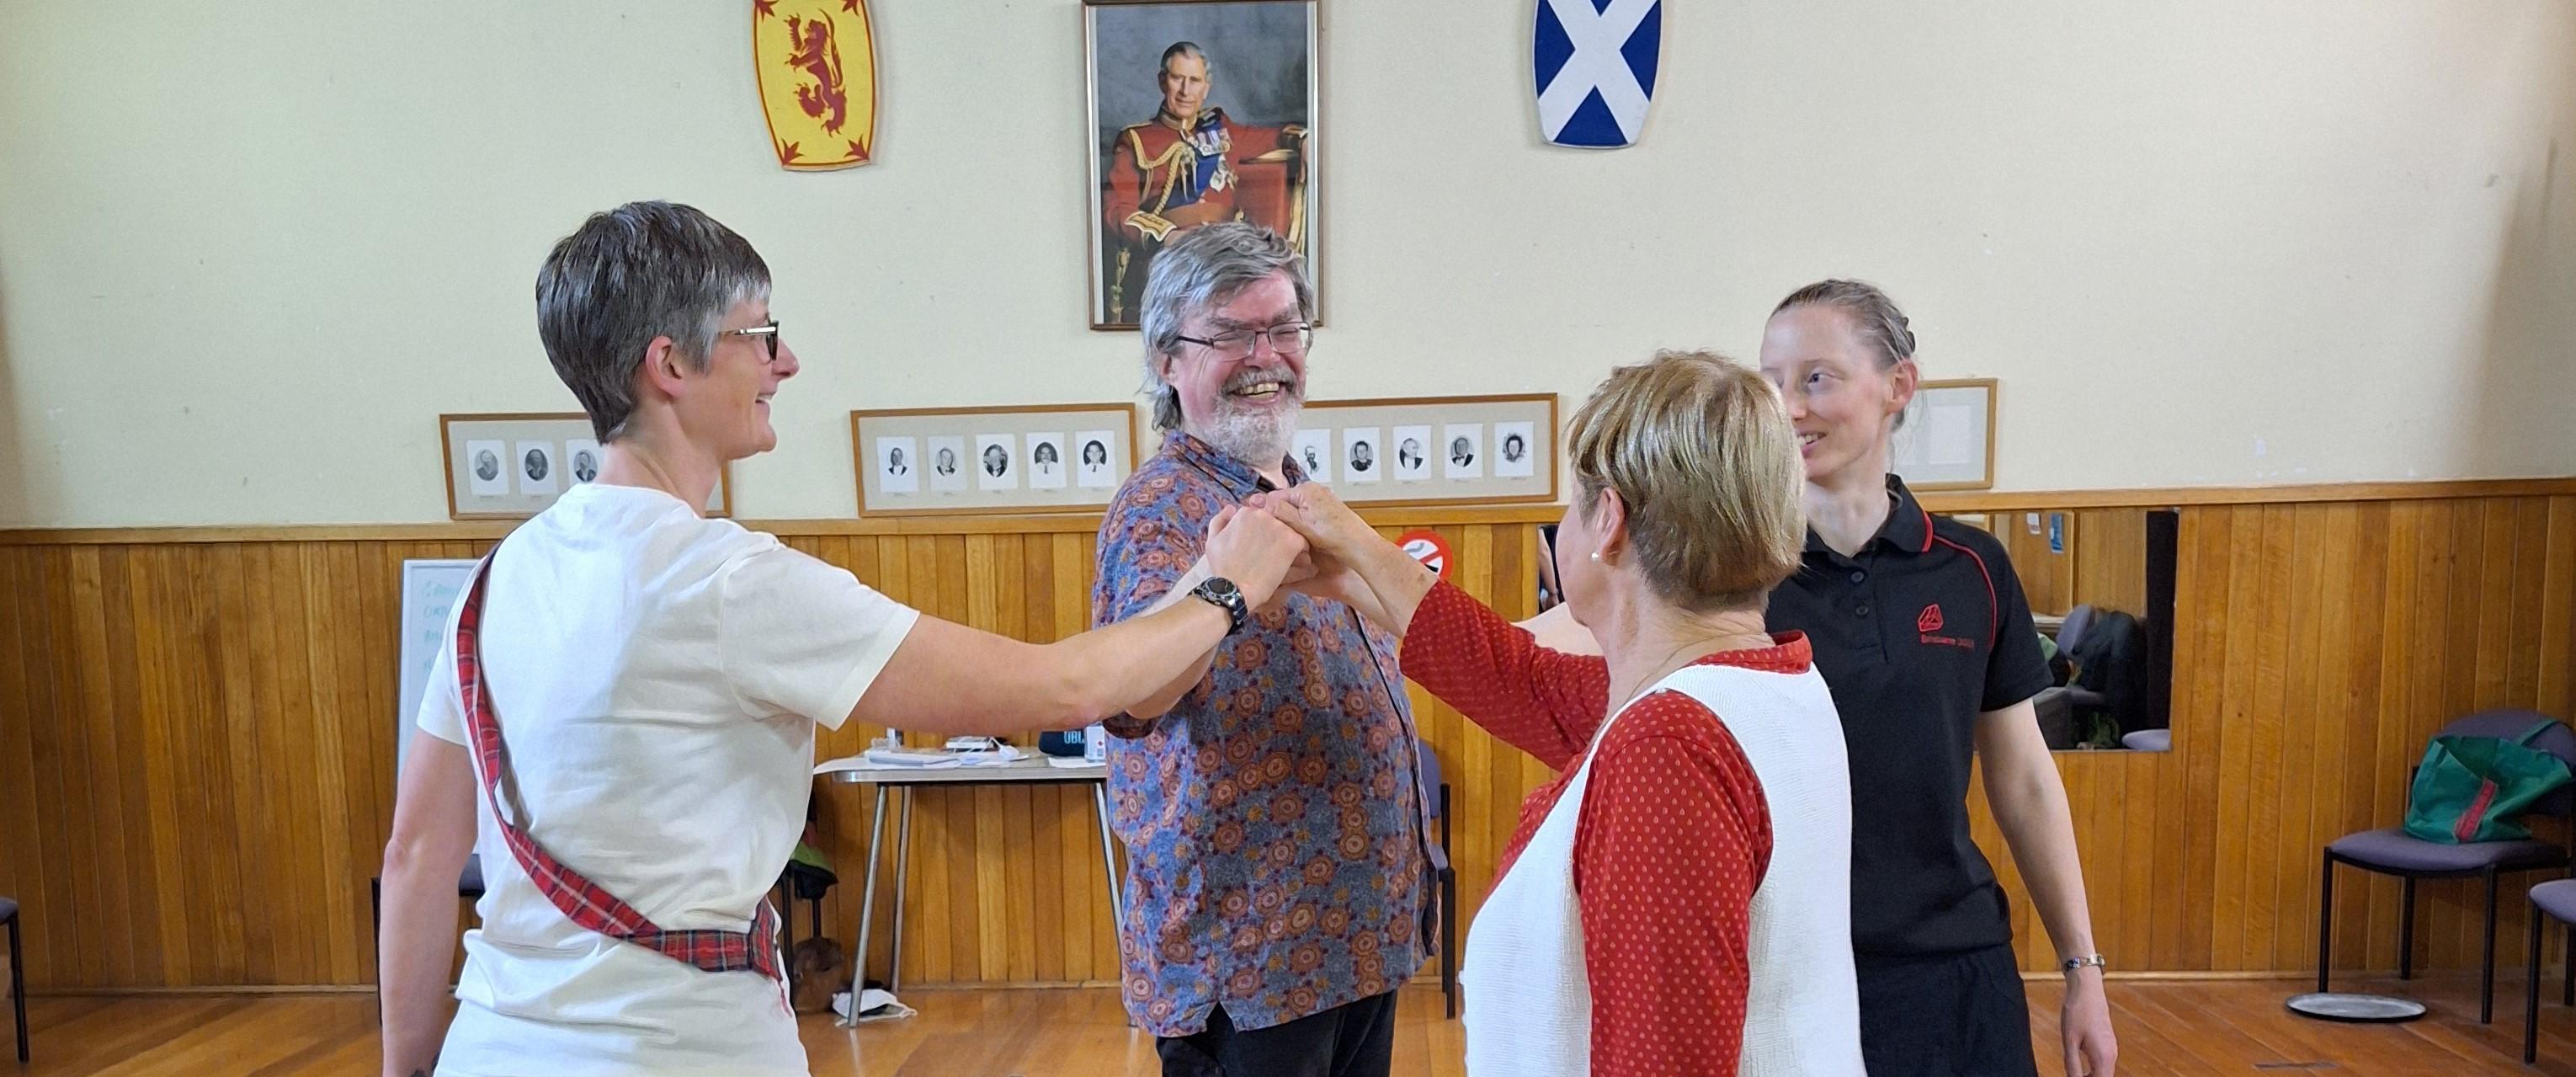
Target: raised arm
949,678
1543,702
1547,703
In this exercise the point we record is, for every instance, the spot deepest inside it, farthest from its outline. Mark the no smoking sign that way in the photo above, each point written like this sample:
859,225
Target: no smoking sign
1427,547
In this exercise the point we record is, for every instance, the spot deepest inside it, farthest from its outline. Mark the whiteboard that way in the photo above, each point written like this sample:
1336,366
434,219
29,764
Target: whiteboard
430,590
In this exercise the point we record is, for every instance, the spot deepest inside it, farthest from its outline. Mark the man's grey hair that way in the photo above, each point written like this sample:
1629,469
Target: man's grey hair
1190,49
626,276
1205,268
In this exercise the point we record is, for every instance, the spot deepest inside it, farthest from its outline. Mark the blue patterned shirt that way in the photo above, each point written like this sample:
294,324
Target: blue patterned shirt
1272,818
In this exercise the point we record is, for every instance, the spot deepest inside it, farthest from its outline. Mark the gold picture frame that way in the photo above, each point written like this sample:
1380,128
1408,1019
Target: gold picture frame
1261,102
1947,441
491,474
998,458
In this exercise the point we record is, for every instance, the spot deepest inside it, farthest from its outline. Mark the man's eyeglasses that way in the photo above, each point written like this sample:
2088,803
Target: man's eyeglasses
767,334
1290,339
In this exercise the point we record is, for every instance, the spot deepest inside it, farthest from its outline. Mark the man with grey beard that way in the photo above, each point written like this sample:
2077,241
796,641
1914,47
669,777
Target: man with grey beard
1277,871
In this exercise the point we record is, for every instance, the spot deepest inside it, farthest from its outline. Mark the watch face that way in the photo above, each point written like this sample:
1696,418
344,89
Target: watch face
1223,588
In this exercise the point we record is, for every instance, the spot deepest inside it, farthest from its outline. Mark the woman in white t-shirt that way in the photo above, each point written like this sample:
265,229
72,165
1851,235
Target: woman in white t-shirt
654,677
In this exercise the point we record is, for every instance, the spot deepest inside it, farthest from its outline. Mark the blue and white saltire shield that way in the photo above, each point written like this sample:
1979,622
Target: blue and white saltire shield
1594,62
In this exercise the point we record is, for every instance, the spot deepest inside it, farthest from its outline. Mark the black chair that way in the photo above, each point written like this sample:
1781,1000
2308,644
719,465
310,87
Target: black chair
2392,851
1429,775
2556,901
17,973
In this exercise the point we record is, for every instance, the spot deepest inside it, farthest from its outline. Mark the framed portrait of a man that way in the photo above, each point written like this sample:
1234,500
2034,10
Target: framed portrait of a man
1200,111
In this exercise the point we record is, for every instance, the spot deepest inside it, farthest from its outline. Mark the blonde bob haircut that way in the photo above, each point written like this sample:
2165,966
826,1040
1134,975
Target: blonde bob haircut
1700,449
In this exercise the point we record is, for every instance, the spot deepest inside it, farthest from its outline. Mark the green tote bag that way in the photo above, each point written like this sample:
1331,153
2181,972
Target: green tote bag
2472,789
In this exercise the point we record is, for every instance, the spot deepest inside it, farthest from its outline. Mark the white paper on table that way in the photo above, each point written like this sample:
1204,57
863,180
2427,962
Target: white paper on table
878,759
1000,756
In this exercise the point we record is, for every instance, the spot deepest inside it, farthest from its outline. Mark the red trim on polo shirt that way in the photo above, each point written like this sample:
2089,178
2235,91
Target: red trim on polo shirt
1994,602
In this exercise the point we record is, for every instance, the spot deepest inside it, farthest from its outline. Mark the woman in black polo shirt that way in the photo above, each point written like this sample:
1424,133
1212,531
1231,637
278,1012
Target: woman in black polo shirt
1922,633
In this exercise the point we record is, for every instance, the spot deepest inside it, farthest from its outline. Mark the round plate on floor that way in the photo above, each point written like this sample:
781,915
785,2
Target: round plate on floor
2350,1006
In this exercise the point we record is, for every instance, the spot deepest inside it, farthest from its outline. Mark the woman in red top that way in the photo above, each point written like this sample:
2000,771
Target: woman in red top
1676,901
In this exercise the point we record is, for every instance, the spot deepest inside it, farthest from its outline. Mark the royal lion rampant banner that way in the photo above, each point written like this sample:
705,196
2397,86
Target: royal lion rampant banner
817,66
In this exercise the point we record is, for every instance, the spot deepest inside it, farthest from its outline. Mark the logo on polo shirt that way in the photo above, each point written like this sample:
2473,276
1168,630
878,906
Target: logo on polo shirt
1929,621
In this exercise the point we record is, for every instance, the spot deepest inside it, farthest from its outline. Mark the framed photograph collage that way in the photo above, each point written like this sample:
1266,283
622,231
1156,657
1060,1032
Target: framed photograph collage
510,466
946,461
1048,458
1431,450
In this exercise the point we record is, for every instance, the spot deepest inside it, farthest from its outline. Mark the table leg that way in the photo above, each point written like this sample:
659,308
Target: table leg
867,902
1108,855
1109,866
902,867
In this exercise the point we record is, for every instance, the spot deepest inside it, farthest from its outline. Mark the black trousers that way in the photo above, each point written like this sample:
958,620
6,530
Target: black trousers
1954,1015
1356,1039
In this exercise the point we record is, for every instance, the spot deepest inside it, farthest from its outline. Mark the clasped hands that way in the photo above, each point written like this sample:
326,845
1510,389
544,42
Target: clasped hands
1299,540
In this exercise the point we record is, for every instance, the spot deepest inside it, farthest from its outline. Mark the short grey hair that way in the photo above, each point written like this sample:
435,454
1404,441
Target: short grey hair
1205,268
1190,49
626,276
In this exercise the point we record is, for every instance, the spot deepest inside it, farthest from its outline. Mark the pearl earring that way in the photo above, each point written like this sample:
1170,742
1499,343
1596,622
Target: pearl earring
1596,555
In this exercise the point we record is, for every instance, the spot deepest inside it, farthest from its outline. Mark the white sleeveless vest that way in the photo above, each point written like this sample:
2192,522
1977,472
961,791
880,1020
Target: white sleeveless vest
1528,1003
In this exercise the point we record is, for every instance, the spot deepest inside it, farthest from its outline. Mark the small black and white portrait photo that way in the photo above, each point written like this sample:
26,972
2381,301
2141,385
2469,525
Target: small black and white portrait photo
948,463
583,454
1314,452
485,472
1412,461
1046,461
1515,460
1095,471
994,470
1466,450
898,465
537,468
1359,455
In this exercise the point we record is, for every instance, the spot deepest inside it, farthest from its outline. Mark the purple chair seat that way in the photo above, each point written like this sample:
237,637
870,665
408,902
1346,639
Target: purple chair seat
2393,849
2557,898
2391,852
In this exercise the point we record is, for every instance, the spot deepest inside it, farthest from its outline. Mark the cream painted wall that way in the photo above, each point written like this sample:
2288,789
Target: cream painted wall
250,251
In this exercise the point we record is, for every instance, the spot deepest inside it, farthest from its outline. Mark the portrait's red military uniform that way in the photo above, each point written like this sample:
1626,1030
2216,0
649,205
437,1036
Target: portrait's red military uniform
1163,179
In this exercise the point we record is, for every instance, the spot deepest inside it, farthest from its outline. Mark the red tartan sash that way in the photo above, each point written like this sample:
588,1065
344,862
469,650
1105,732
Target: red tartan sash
577,897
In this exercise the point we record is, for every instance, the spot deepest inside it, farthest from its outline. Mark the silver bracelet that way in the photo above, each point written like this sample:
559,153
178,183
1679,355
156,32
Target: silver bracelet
2073,963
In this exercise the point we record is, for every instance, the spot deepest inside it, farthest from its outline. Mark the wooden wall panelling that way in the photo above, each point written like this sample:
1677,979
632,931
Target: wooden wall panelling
22,867
2110,547
196,754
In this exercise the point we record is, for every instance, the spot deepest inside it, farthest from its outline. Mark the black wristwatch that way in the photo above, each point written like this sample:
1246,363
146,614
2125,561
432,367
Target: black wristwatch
1224,595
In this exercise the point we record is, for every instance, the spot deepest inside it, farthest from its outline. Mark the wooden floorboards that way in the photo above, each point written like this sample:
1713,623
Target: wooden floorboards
2183,1028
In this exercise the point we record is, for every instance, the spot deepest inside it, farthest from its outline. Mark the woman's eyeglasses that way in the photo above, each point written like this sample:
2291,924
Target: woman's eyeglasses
767,334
